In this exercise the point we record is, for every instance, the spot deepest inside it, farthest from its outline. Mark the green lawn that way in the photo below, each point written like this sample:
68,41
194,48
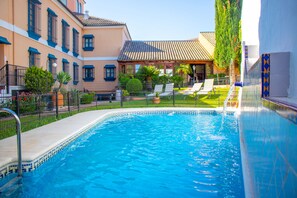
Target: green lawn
29,122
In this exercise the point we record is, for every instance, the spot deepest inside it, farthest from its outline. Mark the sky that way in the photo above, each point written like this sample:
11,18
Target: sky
157,19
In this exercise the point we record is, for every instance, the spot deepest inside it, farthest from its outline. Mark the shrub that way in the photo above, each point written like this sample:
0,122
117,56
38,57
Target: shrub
87,98
134,85
177,80
125,93
123,79
38,80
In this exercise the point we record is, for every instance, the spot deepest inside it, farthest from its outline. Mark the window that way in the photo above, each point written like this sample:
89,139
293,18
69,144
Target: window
78,6
88,42
88,73
64,2
75,73
51,28
75,42
34,19
52,65
34,57
65,65
109,72
65,36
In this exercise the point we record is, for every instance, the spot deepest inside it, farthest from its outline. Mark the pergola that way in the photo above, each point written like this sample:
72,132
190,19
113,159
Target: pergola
165,55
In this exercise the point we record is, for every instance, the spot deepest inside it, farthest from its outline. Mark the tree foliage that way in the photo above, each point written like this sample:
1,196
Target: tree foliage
227,32
38,80
63,78
134,85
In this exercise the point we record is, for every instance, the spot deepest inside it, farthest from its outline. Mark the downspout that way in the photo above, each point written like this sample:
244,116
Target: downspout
13,35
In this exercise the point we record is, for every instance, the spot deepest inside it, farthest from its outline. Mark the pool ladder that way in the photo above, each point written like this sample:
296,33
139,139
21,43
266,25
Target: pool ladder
19,145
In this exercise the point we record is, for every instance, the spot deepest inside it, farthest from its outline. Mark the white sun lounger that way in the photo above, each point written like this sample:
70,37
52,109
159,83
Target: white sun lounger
168,90
158,88
196,87
207,87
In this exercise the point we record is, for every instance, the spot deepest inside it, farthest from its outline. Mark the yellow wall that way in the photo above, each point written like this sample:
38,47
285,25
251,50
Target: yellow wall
99,84
108,42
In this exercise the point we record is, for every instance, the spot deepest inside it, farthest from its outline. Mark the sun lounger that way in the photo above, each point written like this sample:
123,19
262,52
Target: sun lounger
158,88
168,90
196,87
207,87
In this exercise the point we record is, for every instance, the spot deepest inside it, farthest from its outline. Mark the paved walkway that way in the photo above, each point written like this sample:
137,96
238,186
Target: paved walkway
40,140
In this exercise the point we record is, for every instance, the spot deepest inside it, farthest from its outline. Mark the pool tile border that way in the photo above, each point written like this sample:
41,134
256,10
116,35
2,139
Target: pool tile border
29,166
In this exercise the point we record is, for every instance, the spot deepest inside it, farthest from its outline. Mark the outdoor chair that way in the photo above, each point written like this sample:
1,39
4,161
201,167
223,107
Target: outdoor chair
158,88
168,90
196,87
207,87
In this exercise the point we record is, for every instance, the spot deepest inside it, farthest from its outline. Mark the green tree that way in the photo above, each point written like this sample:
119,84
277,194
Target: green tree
38,80
183,70
63,78
228,33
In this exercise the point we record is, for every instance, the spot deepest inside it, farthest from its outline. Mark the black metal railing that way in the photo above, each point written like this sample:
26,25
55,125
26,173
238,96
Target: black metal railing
12,75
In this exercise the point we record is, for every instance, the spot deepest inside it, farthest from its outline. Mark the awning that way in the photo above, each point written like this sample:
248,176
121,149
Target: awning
88,66
51,56
65,60
110,66
88,36
50,11
33,50
4,40
75,64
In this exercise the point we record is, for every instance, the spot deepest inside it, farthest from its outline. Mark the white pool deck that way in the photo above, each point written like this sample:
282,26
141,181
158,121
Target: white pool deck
41,140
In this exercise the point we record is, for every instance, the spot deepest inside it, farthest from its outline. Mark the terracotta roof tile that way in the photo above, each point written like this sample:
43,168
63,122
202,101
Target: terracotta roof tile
163,51
95,21
210,36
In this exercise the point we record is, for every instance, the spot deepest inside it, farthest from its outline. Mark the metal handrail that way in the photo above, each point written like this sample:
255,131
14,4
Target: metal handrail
19,145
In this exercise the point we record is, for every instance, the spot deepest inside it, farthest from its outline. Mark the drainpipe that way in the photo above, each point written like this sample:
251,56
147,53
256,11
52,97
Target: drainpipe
13,35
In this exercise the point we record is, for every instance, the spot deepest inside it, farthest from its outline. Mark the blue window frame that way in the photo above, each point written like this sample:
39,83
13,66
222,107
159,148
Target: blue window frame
34,57
65,65
88,42
75,73
65,36
51,28
34,19
109,72
51,68
75,42
88,73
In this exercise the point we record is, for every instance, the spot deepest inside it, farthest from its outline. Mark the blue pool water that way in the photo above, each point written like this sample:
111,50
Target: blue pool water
155,155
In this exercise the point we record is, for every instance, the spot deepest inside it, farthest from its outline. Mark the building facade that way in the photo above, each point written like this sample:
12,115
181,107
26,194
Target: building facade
58,35
166,55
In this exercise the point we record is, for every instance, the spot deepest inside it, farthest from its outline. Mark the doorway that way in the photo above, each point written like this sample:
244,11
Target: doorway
199,72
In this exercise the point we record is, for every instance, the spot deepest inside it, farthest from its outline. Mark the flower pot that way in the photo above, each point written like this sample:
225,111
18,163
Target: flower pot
60,99
156,100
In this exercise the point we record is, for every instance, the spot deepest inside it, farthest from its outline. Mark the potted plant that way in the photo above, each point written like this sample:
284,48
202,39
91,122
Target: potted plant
156,99
126,95
63,78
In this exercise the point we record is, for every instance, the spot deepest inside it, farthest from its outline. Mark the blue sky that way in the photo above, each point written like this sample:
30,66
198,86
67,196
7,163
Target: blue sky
158,19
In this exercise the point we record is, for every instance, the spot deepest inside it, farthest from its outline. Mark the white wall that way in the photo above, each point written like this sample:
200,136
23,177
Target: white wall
250,16
278,33
249,21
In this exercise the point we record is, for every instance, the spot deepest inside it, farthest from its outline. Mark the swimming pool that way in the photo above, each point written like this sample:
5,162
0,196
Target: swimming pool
153,155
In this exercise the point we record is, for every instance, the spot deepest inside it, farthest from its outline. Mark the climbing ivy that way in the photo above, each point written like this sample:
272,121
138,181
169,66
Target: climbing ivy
227,32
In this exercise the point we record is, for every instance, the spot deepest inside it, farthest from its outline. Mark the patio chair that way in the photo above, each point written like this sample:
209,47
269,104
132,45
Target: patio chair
196,87
168,90
207,87
158,88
